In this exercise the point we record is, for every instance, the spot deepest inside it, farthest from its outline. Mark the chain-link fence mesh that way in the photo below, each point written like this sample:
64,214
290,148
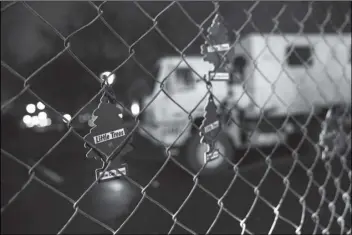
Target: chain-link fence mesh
317,184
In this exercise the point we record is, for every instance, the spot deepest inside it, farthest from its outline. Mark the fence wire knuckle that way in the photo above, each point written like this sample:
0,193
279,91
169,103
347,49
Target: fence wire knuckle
331,148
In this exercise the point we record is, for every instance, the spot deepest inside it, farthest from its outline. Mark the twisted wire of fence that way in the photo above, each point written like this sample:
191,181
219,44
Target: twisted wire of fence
307,212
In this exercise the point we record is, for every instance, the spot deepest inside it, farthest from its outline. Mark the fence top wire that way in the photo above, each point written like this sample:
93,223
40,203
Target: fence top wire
238,171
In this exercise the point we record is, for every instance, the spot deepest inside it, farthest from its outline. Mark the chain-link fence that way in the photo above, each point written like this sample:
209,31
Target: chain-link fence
288,88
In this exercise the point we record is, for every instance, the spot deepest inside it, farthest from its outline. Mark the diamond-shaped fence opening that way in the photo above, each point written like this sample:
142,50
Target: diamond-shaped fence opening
176,117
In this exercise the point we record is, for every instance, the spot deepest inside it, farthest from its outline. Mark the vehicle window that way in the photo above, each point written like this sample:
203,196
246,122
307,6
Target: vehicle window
299,55
180,80
239,65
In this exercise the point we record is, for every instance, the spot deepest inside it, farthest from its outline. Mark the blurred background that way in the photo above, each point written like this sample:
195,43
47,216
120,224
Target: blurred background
27,43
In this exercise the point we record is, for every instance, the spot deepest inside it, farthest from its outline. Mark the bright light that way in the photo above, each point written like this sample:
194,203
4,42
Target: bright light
30,124
135,109
48,120
40,105
27,119
30,108
35,120
43,122
67,117
42,115
116,186
121,115
110,77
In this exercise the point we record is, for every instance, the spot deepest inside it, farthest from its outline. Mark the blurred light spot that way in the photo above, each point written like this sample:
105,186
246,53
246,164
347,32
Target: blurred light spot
84,117
155,184
135,109
35,120
120,115
40,105
30,108
67,117
43,122
48,121
27,119
42,115
116,186
30,124
108,76
52,175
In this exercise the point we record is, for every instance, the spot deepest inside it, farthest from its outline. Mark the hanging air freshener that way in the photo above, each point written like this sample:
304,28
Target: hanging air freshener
109,132
210,129
216,51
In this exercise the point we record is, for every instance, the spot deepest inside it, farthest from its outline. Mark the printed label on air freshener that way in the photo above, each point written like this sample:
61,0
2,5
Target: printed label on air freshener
219,47
211,156
111,174
211,126
219,76
109,136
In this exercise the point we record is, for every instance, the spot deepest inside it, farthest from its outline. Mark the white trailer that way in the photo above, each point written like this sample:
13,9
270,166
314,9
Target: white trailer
279,76
297,73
